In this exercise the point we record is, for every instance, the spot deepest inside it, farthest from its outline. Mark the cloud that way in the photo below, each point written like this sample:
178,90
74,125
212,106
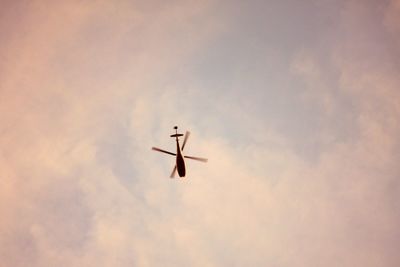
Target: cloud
89,87
65,88
391,19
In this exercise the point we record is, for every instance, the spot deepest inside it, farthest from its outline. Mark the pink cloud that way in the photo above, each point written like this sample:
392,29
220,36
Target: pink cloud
89,88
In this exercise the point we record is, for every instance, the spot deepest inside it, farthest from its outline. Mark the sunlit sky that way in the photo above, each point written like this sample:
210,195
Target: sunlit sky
296,104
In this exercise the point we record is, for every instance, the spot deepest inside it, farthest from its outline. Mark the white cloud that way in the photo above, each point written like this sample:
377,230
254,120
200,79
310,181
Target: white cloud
80,186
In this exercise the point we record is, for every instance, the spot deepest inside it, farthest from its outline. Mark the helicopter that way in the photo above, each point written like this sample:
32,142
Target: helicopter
180,158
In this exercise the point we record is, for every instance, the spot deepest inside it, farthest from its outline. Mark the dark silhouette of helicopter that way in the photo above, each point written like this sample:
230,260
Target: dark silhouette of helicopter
180,159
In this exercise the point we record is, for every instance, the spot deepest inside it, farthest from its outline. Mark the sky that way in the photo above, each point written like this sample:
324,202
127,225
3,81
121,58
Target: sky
296,104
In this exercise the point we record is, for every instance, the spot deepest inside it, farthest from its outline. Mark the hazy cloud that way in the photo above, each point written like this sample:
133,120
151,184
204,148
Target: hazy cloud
302,171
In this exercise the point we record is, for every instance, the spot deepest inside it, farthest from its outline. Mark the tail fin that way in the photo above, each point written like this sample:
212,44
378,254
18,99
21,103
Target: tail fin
176,132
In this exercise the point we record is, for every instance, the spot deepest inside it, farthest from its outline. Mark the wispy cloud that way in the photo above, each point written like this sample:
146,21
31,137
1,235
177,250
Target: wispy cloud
87,88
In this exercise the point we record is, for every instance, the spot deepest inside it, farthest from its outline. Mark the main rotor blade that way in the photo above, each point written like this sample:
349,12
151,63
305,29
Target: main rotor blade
164,151
197,158
185,140
173,173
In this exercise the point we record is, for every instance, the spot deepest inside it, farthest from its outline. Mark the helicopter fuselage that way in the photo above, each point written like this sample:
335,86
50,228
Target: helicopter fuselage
180,162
